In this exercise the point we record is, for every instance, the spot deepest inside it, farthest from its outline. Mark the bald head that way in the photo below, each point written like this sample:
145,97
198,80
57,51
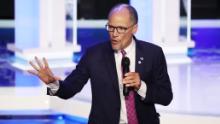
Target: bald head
125,7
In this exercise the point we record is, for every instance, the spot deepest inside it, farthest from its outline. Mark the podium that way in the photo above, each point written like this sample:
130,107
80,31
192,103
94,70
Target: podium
40,27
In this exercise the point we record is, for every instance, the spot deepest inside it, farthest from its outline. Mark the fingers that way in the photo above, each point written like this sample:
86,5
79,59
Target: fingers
39,67
33,72
34,66
132,79
42,70
38,62
45,63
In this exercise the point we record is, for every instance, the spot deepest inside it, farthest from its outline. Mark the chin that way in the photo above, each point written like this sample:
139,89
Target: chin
115,48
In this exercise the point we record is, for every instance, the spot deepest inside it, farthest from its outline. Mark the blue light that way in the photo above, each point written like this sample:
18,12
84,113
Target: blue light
60,117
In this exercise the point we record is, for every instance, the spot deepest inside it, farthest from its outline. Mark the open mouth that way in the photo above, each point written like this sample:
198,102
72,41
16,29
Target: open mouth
114,41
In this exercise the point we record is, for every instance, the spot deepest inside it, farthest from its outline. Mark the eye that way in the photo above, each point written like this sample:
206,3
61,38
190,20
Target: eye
111,27
121,28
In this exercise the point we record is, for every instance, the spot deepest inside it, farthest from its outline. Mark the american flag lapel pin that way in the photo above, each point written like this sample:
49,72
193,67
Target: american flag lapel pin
141,59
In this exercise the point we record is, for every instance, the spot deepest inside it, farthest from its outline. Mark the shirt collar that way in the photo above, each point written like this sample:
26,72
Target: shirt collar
129,47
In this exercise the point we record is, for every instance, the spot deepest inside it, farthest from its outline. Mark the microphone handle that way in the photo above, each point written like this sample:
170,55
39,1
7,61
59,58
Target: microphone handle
125,90
125,69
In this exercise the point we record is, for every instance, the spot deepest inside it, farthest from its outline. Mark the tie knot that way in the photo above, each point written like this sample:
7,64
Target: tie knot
123,53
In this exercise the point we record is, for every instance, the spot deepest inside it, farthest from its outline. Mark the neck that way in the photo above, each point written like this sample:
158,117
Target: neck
126,45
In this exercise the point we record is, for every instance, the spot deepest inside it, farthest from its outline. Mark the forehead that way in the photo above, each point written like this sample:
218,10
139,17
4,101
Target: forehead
119,17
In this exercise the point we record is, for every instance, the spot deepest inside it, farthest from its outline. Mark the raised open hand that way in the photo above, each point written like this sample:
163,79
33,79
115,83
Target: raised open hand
42,70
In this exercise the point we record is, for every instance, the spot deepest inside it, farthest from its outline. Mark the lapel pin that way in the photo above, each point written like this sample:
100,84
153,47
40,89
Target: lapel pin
139,62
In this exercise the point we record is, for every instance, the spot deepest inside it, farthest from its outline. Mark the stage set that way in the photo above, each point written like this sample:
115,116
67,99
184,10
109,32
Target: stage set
41,28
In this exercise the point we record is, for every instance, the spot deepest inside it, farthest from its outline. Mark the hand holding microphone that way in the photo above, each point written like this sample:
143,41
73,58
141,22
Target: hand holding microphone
131,80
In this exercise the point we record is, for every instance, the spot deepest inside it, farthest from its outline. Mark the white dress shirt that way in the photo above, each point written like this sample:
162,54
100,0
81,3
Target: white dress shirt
131,54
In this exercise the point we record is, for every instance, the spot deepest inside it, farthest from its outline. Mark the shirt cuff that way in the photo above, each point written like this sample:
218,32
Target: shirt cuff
53,87
142,90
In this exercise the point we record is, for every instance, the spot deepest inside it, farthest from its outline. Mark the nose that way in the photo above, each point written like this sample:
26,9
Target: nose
115,32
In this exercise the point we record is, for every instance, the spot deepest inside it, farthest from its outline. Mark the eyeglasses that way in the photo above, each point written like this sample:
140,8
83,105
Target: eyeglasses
119,29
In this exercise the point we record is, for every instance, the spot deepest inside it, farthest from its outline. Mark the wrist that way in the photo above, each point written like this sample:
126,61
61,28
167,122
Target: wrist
138,86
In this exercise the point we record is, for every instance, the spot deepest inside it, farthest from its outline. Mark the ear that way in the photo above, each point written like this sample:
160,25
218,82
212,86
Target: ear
135,27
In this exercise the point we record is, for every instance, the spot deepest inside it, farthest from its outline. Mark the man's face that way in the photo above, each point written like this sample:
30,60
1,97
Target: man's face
121,29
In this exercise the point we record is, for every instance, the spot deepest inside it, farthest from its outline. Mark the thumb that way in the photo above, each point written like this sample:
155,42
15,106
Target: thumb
57,78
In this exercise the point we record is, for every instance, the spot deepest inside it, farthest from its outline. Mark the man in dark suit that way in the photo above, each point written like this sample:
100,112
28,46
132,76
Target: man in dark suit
147,81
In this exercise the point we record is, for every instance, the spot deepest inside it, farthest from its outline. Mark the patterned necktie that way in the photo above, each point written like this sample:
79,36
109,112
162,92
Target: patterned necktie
130,103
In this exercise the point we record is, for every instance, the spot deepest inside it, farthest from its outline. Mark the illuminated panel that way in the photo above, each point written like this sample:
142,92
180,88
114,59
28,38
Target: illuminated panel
26,23
144,9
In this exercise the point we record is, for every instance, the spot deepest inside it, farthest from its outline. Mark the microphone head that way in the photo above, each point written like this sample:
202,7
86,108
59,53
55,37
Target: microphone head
125,62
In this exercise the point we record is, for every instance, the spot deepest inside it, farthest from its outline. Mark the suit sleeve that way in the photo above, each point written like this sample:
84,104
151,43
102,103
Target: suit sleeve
159,89
76,80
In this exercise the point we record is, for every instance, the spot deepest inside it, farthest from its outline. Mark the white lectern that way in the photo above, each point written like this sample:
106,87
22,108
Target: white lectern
40,31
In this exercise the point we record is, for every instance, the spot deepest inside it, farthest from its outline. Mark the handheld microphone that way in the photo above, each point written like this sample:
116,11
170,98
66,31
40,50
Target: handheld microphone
125,69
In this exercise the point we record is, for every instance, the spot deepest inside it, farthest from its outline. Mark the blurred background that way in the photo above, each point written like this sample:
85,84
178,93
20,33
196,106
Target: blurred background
187,30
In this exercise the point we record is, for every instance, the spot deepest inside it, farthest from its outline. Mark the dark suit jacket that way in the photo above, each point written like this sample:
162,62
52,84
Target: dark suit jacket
98,64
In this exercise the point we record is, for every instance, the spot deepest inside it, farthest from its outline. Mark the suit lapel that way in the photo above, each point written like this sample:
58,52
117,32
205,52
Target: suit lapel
139,60
111,68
